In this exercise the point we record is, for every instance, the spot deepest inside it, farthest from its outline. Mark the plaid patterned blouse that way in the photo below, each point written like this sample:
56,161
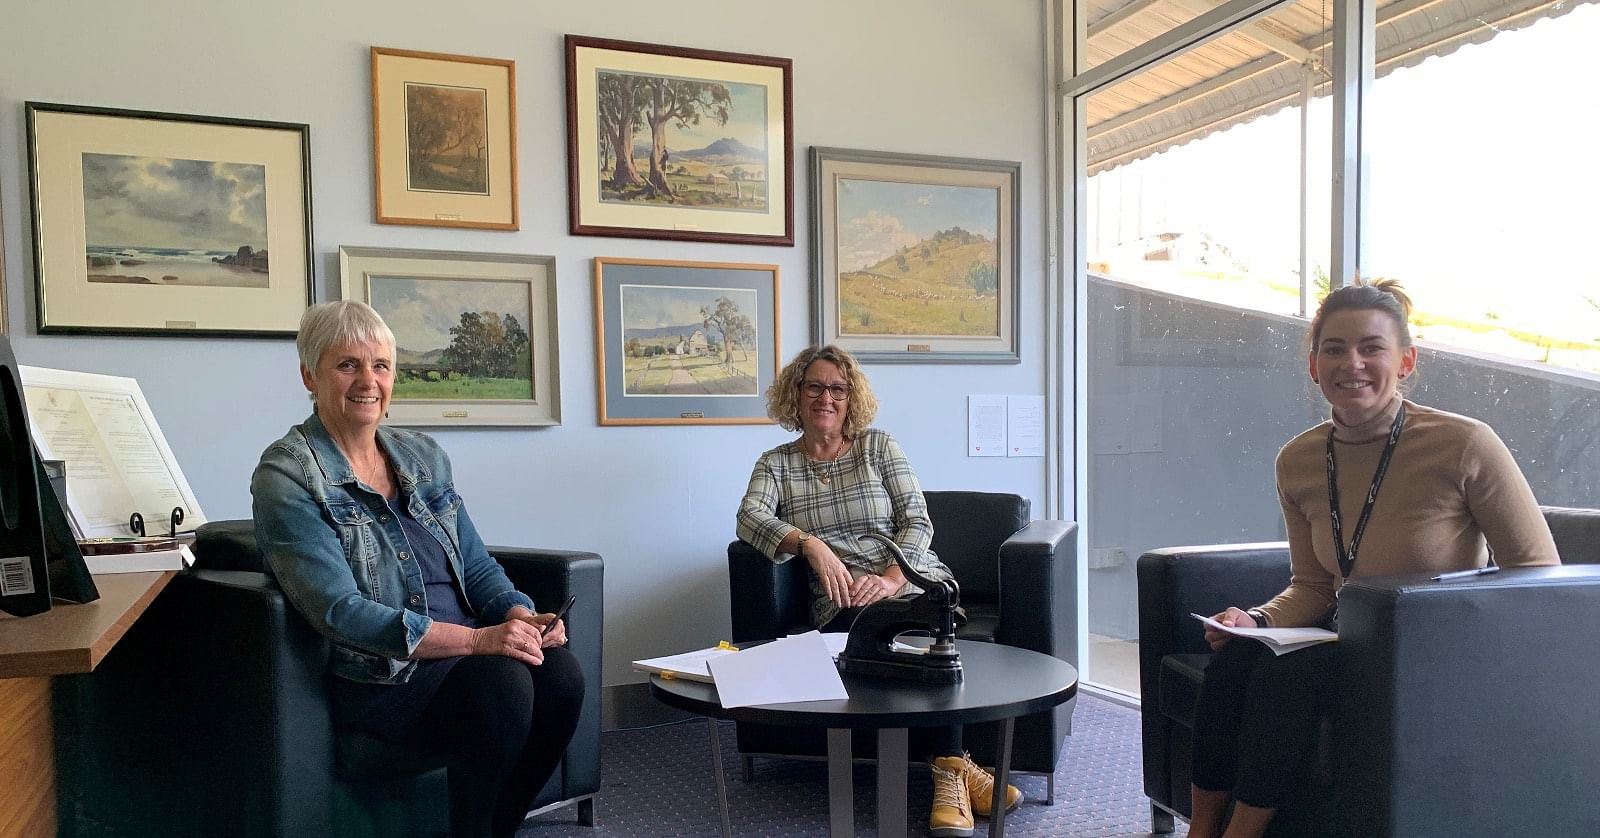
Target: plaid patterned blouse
870,489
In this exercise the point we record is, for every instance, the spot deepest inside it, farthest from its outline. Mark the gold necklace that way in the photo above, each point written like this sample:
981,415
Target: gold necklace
823,469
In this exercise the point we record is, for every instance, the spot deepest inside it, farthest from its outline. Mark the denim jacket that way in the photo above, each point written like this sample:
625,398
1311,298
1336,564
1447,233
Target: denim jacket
342,559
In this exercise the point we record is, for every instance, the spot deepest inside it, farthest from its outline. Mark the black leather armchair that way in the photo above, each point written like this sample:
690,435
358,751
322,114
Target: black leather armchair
1464,708
1018,587
212,714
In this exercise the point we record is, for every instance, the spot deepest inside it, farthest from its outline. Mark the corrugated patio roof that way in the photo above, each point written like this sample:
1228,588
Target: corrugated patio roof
1257,69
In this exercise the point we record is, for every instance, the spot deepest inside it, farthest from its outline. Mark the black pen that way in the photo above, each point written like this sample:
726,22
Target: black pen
1463,574
565,606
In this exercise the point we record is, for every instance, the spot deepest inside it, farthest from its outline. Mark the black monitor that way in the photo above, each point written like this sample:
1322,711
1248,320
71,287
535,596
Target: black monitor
38,555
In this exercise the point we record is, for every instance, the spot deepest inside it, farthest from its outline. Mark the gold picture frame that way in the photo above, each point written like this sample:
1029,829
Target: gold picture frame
444,140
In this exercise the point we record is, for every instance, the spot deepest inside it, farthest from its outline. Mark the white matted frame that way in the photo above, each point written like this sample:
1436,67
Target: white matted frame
160,223
456,366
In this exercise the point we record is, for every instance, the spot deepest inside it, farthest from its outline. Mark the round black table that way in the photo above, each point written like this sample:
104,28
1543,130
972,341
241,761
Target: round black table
999,683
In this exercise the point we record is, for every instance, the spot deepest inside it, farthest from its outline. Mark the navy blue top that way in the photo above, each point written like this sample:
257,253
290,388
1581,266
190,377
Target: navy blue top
389,710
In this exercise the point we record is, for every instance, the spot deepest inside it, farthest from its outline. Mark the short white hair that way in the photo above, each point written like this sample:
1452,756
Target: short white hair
341,322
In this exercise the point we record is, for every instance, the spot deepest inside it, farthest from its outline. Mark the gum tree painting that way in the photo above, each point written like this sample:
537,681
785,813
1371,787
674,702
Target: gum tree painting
680,341
695,143
447,139
172,221
457,338
917,259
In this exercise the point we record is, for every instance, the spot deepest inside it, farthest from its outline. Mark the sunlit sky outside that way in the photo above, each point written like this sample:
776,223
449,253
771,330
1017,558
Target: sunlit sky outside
1483,197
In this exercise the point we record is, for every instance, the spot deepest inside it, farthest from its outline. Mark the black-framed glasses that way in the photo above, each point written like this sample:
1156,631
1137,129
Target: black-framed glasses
814,389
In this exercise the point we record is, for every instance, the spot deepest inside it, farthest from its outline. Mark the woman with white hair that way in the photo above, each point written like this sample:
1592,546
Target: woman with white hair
432,646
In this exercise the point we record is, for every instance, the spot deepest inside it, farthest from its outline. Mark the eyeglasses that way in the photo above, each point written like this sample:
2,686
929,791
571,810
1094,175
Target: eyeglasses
814,389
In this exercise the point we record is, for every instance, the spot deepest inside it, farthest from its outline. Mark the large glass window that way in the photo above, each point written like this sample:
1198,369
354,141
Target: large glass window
1481,201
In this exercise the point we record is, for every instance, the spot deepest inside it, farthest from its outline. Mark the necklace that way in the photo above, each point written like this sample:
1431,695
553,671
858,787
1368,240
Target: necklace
823,468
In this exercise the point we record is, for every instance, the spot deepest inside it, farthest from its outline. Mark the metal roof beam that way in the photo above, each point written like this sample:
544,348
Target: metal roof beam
1255,32
1203,29
1119,15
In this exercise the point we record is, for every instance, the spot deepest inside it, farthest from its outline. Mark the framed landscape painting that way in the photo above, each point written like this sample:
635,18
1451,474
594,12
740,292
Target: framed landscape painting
475,333
675,143
444,139
915,257
684,342
171,224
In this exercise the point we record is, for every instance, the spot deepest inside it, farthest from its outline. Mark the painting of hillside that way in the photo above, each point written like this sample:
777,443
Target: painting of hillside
917,259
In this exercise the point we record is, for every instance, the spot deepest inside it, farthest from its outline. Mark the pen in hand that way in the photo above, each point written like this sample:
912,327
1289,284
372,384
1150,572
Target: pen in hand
1464,574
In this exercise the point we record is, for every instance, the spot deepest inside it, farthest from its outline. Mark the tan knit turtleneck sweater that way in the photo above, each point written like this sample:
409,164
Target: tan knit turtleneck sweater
1452,495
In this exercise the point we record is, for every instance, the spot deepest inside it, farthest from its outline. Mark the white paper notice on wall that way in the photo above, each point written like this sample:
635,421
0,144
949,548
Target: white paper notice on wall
986,426
1025,426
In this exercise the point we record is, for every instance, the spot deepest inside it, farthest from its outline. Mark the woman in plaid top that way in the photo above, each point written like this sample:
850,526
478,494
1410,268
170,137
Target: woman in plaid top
816,496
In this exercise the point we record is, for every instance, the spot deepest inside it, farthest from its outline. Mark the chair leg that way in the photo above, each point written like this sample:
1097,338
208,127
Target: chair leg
586,812
1161,821
1050,789
749,769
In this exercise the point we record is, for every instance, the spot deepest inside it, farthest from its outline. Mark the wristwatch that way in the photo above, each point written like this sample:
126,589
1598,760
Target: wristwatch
800,546
1259,616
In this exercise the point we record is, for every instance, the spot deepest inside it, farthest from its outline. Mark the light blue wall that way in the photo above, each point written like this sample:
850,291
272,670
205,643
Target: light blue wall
959,79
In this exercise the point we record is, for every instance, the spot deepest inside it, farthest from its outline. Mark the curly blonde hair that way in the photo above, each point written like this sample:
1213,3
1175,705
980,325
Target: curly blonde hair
784,397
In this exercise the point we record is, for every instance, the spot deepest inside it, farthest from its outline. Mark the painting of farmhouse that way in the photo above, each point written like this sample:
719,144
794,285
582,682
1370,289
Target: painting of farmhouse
917,259
688,341
692,143
460,339
447,139
170,221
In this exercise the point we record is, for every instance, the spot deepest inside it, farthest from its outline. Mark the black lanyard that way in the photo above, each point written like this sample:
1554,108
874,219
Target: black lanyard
1347,561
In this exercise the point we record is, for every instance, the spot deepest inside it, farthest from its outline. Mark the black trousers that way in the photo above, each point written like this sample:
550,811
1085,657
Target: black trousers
502,726
1257,719
929,742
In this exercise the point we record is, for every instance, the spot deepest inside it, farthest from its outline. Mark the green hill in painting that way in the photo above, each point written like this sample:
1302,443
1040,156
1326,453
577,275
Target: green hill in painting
943,285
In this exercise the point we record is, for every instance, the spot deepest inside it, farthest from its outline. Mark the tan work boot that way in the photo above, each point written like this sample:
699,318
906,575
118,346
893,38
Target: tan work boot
951,816
980,788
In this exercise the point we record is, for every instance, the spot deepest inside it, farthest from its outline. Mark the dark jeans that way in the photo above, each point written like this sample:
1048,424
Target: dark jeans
502,726
1257,719
928,742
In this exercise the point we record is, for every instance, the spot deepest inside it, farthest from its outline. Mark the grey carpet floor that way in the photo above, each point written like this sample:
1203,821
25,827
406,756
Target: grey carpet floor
657,781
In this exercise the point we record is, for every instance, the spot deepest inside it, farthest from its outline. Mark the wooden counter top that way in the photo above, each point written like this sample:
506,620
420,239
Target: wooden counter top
69,638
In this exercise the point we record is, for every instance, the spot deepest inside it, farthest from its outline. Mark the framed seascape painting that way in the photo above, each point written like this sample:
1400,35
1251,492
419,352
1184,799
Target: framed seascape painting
475,333
444,139
170,224
690,343
676,143
915,257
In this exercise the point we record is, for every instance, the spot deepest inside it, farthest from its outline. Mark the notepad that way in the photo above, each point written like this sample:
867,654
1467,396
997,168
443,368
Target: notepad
1281,641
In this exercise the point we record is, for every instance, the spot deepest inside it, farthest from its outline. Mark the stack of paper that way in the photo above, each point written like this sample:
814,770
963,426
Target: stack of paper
1280,640
175,559
688,665
795,668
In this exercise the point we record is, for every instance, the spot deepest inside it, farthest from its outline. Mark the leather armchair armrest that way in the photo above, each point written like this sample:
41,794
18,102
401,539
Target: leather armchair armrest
1497,674
1038,589
768,599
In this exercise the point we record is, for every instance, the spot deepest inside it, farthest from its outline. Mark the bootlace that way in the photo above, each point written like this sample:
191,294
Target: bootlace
949,790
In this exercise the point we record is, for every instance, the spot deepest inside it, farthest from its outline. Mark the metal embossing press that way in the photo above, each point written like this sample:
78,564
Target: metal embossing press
871,648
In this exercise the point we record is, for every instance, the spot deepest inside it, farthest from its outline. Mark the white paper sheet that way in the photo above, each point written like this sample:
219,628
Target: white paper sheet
1025,426
986,426
690,665
795,668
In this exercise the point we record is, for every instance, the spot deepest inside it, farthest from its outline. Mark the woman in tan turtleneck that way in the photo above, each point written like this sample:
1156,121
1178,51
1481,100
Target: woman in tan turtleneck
1446,495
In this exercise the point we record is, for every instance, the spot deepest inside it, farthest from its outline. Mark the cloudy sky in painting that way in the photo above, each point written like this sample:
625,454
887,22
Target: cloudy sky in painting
655,306
420,312
166,202
878,217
